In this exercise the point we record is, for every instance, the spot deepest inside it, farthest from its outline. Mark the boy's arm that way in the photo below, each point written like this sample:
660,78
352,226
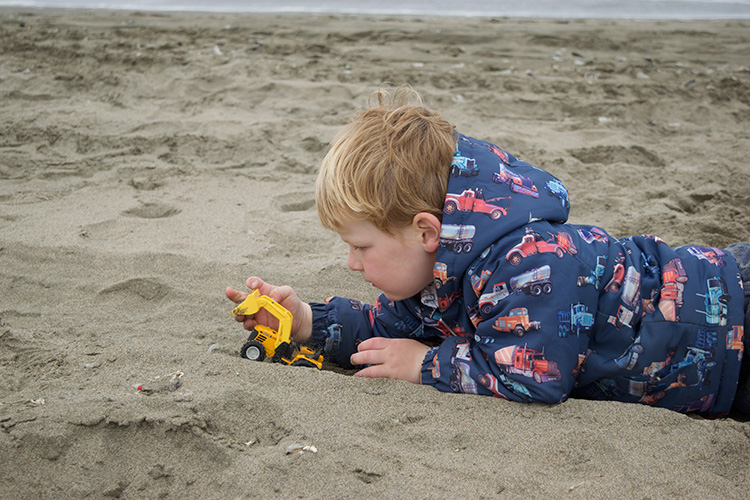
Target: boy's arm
341,324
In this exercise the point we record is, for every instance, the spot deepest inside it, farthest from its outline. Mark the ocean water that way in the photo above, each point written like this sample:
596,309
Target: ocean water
608,9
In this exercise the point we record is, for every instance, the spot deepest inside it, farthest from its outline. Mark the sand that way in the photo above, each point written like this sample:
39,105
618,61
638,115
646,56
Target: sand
147,161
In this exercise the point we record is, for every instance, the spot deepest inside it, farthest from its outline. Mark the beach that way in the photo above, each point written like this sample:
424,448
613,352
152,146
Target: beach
149,160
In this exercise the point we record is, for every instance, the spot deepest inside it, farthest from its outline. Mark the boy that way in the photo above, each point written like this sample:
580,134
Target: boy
487,289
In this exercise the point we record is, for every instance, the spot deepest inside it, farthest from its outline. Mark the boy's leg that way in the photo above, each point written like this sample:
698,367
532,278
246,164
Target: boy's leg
741,253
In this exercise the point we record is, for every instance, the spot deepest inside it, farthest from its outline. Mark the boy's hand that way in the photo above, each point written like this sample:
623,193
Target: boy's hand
391,358
284,295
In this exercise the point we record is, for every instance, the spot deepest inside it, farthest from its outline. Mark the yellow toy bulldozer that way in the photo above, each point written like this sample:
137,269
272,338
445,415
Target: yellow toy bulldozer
264,341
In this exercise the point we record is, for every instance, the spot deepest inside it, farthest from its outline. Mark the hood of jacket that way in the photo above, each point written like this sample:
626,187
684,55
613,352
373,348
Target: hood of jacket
490,194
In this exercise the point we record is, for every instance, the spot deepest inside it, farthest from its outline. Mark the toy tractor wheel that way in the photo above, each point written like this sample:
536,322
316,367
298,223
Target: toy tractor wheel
253,351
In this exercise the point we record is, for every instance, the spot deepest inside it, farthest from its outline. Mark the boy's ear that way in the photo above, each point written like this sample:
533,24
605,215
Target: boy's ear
427,228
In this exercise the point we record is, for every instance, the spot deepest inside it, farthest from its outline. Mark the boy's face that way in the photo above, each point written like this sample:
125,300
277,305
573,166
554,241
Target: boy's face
400,265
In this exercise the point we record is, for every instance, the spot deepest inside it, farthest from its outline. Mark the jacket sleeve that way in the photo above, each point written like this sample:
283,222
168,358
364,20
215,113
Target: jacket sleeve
341,324
524,348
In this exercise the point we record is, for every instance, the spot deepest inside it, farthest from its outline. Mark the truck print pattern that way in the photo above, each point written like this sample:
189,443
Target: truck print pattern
517,322
716,299
517,182
533,243
457,238
472,200
528,363
575,320
463,166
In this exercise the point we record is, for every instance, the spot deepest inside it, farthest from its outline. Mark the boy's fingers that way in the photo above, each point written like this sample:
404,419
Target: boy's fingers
281,293
366,356
372,343
234,295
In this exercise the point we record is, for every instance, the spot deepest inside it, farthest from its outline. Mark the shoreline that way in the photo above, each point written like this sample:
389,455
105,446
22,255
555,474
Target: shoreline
374,16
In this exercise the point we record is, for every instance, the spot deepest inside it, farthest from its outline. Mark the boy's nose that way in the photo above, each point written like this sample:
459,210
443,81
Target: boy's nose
352,262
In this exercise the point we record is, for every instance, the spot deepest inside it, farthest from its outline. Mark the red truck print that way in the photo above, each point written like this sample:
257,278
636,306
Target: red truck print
532,243
618,274
517,321
445,302
479,282
440,272
499,153
623,317
565,241
734,338
473,201
673,281
528,363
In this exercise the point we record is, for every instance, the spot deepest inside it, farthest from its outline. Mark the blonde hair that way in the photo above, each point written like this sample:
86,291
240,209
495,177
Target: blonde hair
391,162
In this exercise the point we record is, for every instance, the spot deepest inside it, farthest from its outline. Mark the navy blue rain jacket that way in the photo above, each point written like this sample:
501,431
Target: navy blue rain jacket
530,308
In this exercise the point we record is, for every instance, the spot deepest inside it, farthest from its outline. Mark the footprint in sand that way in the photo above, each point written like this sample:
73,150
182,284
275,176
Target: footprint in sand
300,202
634,155
299,206
146,288
152,211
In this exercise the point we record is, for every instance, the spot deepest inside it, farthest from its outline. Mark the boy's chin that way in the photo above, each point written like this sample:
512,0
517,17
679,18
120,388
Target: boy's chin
395,297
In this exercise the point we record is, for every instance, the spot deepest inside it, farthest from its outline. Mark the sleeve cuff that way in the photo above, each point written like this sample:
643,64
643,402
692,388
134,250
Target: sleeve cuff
319,323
